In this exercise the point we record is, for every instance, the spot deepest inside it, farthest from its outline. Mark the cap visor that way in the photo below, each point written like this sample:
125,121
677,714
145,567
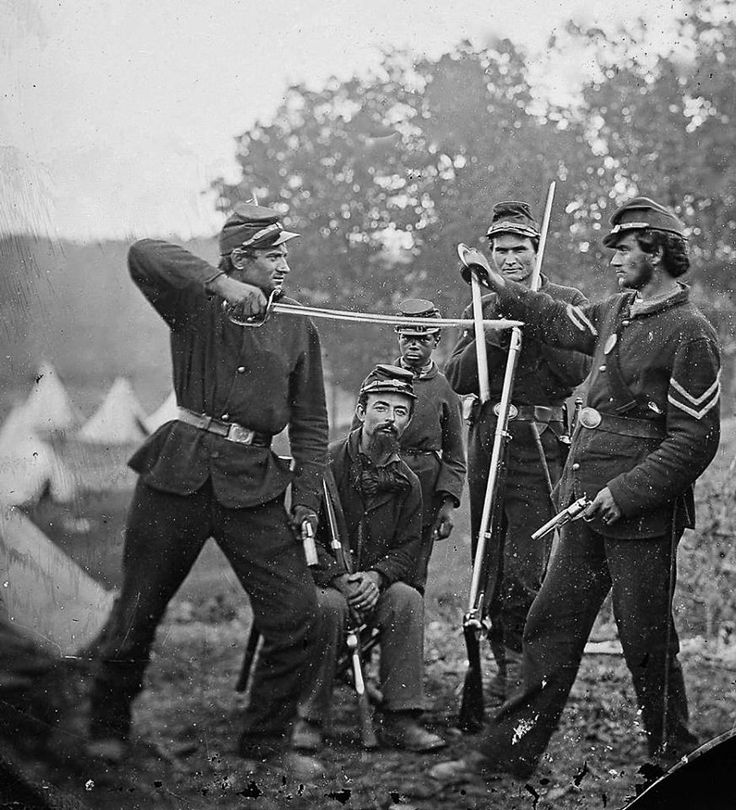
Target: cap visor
284,236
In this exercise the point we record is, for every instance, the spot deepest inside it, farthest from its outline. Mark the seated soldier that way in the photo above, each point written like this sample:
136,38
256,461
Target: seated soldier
382,505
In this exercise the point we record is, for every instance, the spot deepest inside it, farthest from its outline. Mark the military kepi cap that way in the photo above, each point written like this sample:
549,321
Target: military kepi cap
512,216
386,379
418,308
254,227
641,214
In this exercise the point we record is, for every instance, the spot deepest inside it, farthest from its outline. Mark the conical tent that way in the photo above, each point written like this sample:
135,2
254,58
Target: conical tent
119,420
165,412
47,593
48,408
17,425
29,467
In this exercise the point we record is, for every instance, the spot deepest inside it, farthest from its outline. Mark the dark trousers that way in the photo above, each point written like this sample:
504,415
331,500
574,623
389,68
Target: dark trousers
399,615
164,536
583,569
518,562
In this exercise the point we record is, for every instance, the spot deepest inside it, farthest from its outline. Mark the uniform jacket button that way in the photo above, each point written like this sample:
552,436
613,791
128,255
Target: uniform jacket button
241,369
576,466
602,368
225,416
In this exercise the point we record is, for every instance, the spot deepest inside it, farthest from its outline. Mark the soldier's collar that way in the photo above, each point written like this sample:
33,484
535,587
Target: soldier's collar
430,370
648,306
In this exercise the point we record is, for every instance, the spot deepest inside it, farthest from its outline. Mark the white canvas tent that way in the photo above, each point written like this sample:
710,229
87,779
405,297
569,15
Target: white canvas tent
120,419
165,412
29,466
48,408
45,592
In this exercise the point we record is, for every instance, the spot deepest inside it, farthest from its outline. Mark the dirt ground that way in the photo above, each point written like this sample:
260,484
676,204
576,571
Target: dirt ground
186,721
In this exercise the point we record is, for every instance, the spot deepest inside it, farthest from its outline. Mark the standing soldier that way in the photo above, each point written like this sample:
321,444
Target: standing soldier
651,428
211,473
432,445
545,378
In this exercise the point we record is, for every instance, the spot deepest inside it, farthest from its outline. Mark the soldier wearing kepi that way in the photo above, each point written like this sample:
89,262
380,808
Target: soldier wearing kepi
545,377
650,429
211,473
432,444
381,502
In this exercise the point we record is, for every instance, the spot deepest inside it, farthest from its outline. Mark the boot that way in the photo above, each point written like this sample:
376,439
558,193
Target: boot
403,730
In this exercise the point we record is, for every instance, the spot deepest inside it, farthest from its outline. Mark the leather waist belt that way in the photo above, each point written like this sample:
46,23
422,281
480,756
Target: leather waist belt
534,413
231,431
593,419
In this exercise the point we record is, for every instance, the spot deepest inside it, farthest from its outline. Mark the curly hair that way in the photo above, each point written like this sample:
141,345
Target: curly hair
674,249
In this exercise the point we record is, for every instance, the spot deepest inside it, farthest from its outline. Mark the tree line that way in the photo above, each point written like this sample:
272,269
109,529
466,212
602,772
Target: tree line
384,174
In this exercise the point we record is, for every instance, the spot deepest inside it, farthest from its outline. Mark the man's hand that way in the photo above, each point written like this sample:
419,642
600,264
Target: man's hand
300,513
477,263
249,299
443,523
364,591
603,507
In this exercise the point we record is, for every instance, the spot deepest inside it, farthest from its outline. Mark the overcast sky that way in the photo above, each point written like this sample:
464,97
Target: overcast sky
116,114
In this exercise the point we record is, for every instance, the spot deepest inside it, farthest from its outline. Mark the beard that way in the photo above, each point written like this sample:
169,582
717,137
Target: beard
643,275
383,442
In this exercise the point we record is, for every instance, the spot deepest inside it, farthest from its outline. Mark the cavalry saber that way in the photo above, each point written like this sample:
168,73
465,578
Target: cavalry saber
471,707
355,317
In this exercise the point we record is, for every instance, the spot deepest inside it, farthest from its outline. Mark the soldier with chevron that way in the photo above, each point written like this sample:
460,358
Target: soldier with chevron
650,428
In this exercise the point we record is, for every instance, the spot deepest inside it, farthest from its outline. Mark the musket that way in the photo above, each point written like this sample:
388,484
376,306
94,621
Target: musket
475,622
368,737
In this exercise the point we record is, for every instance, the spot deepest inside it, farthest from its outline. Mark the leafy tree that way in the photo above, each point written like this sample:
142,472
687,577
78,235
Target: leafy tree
386,174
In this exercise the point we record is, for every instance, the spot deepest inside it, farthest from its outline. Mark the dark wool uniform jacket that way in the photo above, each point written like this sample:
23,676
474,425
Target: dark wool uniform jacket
264,378
669,361
544,375
436,428
384,533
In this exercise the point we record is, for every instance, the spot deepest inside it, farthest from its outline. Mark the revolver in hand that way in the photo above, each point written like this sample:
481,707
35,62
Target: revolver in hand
572,512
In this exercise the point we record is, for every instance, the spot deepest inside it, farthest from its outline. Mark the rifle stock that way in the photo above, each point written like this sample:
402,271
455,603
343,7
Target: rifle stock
368,737
485,561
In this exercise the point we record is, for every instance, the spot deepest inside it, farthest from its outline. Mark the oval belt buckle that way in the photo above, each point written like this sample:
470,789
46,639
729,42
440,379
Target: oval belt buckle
513,410
241,435
589,418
